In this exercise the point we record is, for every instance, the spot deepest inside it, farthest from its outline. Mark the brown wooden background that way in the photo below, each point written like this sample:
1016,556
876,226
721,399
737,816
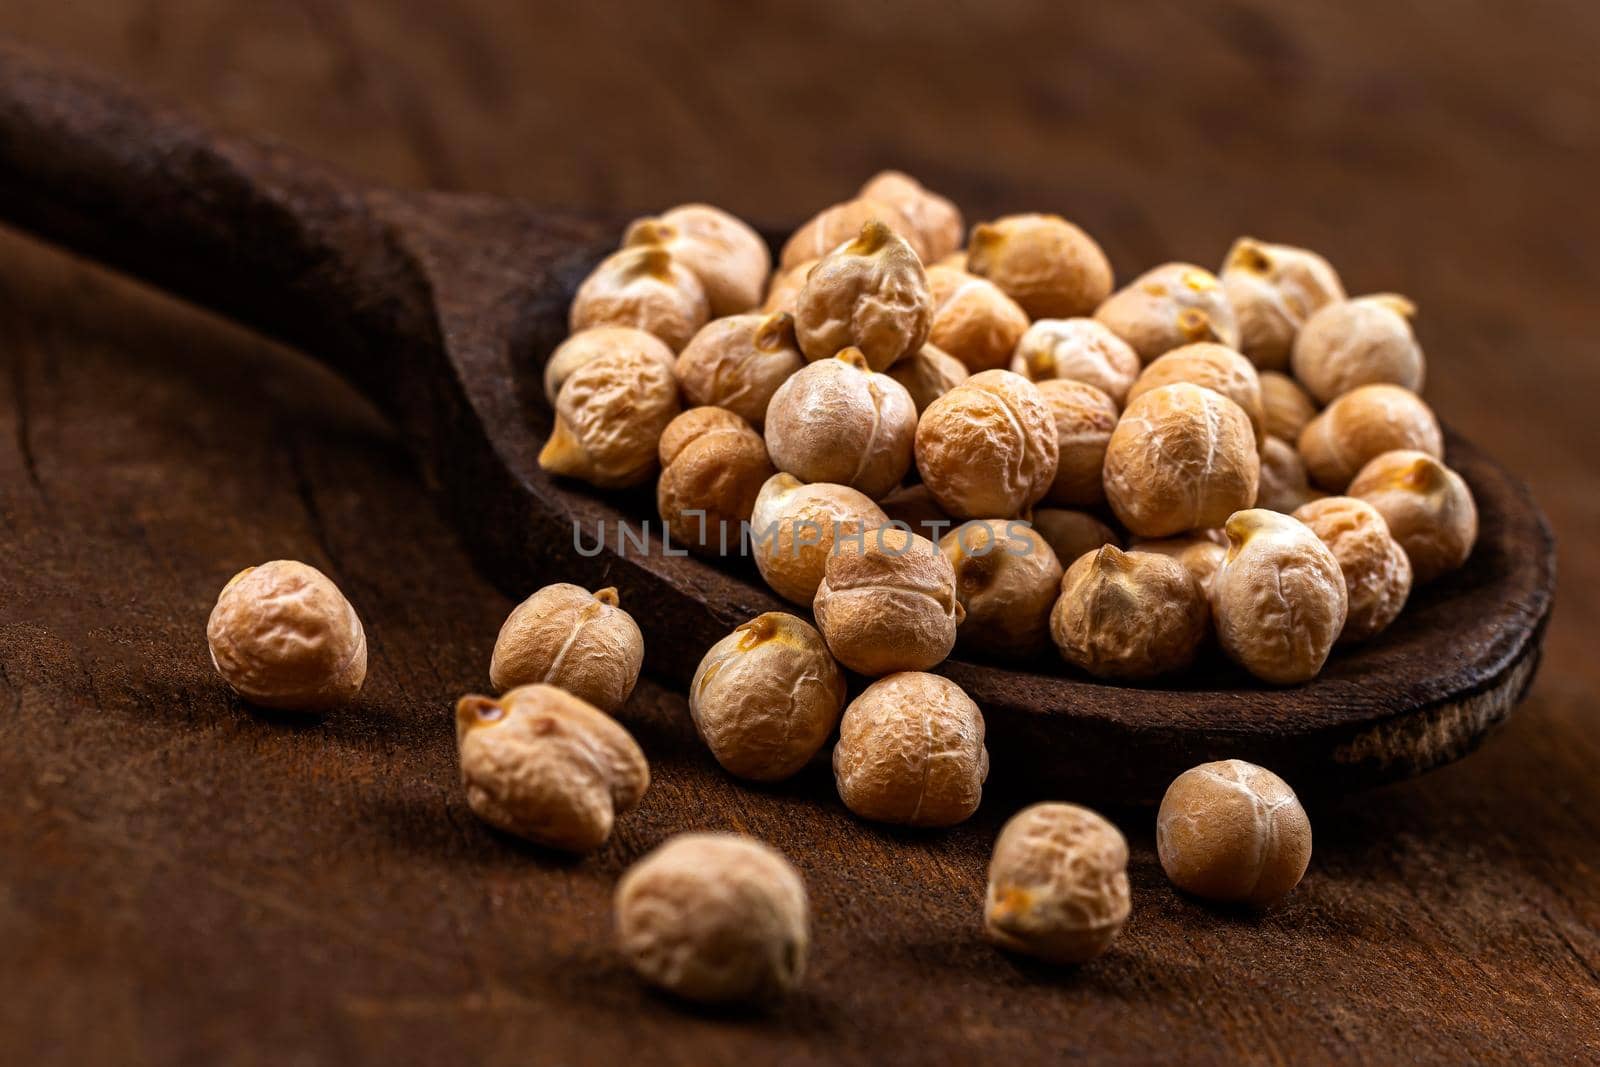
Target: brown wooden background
182,880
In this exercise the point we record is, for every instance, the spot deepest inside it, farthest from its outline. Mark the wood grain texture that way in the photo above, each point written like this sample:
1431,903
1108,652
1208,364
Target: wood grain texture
182,880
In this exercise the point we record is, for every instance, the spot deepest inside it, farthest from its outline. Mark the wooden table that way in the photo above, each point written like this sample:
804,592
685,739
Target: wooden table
183,880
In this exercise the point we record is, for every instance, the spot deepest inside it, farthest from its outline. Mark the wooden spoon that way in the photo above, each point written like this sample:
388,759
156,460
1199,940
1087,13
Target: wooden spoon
442,307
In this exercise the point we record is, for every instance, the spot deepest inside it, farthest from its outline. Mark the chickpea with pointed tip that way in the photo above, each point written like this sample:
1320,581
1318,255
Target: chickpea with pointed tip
871,295
728,257
1167,307
565,636
644,287
738,363
1050,267
1128,615
1273,290
841,422
1427,506
1081,349
1279,597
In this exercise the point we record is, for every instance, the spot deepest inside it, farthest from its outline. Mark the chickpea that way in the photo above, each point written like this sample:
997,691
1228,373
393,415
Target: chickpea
784,292
1058,884
1072,533
888,602
730,259
1128,615
1046,264
1233,832
1362,425
713,466
870,294
1377,572
715,918
1201,553
833,226
642,286
567,637
1211,366
1279,598
1273,290
1359,342
543,764
988,447
609,417
283,636
1083,350
1283,484
766,698
580,348
738,363
911,752
795,527
1172,305
1007,578
1428,509
839,421
928,373
1182,458
935,219
1286,407
1085,418
914,506
973,320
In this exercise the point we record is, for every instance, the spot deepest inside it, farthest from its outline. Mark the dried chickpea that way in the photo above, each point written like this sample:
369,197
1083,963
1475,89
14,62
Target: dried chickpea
1072,533
1182,457
1007,579
1273,290
283,636
1427,506
1081,350
1058,884
935,219
794,527
730,259
1362,425
1211,366
914,507
928,373
645,287
713,466
911,752
580,348
609,417
715,918
832,227
738,363
784,292
1172,305
1046,264
766,698
567,637
1233,832
870,294
988,448
1128,615
1201,553
1365,341
839,421
888,602
1286,407
1377,572
1283,477
973,320
543,764
1085,418
1278,598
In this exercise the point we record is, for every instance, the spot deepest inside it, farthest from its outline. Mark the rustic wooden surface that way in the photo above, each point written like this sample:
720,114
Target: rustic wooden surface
183,880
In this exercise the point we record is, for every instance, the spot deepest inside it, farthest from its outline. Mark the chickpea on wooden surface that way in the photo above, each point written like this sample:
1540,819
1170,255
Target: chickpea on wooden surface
609,417
794,527
870,294
1083,350
1212,366
1362,425
713,466
597,341
738,362
1085,418
1169,306
565,636
728,257
973,320
1273,289
987,448
1129,615
832,226
935,219
1377,572
1351,343
1428,508
1050,267
888,602
643,287
1007,580
1233,832
839,421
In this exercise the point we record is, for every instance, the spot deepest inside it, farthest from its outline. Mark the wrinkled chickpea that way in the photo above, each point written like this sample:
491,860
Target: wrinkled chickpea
1362,425
730,259
1286,408
1233,832
833,226
580,348
840,421
1058,884
1083,350
888,602
913,506
911,752
1201,553
1377,573
283,636
1428,508
715,918
784,292
794,528
935,219
1211,366
567,637
1283,484
988,449
1050,267
1172,305
973,320
1128,615
644,287
609,417
1072,533
1007,579
1182,457
1278,599
928,373
713,466
1359,342
1273,290
766,698
543,764
1085,418
738,363
870,294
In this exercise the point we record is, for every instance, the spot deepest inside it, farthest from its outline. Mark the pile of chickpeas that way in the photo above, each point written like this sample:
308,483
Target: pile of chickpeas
931,447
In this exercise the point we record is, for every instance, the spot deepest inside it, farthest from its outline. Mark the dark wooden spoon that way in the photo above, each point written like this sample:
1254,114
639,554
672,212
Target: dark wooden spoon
441,308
